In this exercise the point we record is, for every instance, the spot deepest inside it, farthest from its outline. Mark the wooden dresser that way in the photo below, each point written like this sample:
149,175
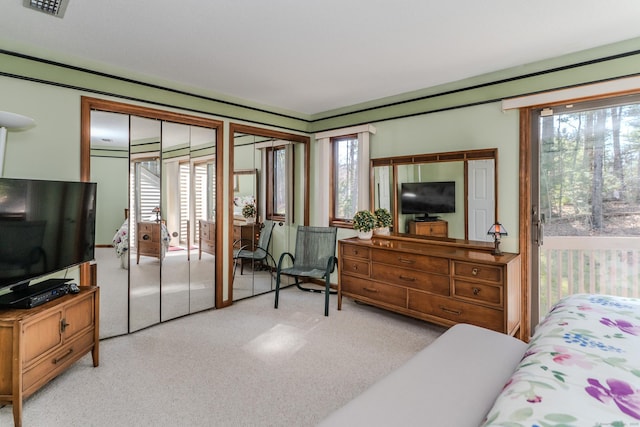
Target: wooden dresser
148,240
441,282
207,238
38,344
429,228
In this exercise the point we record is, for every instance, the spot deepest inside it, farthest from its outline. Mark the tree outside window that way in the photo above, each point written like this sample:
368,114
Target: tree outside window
345,170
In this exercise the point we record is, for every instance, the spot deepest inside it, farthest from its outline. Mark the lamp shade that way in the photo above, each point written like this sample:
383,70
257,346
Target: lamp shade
13,121
497,229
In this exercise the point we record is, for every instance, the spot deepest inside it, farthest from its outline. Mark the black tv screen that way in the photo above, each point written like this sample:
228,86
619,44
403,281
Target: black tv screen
428,197
45,227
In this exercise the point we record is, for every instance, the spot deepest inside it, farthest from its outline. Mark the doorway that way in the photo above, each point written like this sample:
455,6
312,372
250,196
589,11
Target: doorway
585,200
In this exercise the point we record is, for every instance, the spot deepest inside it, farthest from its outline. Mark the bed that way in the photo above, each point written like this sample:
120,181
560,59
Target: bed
581,368
120,242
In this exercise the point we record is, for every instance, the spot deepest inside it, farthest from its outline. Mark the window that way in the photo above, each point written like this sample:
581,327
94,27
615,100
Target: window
342,168
344,183
277,182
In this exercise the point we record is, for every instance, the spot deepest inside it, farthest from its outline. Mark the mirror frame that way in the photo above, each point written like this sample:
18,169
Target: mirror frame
267,133
87,104
449,156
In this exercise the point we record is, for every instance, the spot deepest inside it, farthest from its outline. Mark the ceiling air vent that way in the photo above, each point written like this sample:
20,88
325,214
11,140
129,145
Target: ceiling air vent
50,7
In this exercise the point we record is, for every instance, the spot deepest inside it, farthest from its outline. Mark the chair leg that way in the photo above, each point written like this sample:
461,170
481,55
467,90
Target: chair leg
326,296
277,289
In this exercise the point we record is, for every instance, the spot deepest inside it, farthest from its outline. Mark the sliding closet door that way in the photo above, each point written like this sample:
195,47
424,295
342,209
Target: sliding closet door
156,226
202,219
175,209
147,237
109,157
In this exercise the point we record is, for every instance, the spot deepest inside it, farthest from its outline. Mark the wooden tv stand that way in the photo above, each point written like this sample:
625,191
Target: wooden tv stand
38,344
443,281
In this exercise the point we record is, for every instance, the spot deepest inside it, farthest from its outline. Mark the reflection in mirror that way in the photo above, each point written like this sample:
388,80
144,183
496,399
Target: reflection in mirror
148,238
474,174
110,169
157,173
247,217
203,219
427,173
176,218
271,167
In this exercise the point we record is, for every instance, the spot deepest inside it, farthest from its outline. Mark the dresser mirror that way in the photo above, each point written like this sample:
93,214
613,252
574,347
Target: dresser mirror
270,172
467,177
156,173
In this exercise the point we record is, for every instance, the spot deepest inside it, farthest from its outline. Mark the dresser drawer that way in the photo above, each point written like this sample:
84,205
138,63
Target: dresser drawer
457,311
478,271
204,232
356,251
412,279
57,361
376,291
478,292
149,247
355,267
409,260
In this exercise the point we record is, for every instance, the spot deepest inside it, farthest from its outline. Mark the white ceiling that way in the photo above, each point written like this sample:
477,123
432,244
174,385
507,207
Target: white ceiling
313,56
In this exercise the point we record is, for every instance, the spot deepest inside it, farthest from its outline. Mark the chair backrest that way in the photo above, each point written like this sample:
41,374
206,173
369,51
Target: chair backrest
265,235
314,246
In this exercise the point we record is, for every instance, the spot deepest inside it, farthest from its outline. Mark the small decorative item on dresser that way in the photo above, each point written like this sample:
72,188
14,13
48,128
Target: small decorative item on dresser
497,230
249,212
383,221
364,222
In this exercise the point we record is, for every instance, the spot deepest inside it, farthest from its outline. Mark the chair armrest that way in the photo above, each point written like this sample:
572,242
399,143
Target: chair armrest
281,259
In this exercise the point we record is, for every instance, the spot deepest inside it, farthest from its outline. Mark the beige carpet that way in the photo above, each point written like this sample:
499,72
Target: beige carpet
246,365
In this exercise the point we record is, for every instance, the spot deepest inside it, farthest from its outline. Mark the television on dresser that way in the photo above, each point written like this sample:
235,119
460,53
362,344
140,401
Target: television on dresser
45,227
427,198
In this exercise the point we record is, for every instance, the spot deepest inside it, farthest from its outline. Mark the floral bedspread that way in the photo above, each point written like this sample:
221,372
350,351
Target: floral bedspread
582,368
120,240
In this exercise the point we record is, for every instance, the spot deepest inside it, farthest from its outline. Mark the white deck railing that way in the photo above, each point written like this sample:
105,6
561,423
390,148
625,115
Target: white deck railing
605,265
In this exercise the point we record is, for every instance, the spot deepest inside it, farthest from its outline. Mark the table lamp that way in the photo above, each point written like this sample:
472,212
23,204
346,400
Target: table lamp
497,230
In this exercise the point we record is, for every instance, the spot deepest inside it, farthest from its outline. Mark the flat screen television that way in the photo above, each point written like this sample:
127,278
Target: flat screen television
427,198
45,227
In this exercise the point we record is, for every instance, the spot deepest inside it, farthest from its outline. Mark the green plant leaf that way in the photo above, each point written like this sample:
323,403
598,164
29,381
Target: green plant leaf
521,414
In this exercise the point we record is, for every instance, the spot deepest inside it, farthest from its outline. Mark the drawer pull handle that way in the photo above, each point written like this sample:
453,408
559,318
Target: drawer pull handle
475,271
355,267
407,279
63,325
448,310
476,291
371,290
406,261
61,358
146,237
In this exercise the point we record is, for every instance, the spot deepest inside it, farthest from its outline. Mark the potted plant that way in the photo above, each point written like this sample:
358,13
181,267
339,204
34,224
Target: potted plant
249,212
364,222
383,221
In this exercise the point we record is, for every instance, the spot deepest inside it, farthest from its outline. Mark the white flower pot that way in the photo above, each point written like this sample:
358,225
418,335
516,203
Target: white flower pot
382,231
365,235
250,220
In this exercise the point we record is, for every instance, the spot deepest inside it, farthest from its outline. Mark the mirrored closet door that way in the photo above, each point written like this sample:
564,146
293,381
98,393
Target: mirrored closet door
157,226
270,200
